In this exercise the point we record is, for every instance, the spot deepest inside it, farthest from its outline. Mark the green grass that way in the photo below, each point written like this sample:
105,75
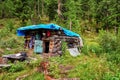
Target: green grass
12,76
86,67
35,76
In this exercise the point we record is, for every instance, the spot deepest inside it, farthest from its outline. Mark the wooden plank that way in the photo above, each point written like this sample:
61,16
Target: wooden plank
4,65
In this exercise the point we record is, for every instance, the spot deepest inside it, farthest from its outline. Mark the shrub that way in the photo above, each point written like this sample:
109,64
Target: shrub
108,76
111,45
64,47
54,70
10,26
91,47
114,57
16,67
107,41
9,43
35,76
34,63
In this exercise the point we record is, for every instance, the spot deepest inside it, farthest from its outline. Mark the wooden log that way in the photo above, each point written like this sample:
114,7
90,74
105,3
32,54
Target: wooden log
5,60
60,52
4,65
54,50
57,45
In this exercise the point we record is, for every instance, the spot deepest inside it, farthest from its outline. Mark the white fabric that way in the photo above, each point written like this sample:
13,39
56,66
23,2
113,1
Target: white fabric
74,52
18,54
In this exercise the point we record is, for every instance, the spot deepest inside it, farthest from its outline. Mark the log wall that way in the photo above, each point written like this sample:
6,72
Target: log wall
55,46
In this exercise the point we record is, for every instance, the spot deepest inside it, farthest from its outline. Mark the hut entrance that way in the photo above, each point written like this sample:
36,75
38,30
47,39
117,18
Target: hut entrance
46,46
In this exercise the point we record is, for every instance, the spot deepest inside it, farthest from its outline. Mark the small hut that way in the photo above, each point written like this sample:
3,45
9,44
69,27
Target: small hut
47,39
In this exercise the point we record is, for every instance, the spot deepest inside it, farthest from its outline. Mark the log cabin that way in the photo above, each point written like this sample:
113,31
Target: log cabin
46,39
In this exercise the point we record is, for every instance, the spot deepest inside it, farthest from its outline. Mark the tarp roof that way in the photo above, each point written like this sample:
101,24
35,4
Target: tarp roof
21,31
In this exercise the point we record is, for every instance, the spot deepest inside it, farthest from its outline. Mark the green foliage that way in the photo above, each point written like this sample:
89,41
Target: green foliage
10,25
9,43
110,45
84,15
118,41
99,13
84,67
107,41
91,47
64,47
7,8
16,67
34,63
54,69
114,57
35,76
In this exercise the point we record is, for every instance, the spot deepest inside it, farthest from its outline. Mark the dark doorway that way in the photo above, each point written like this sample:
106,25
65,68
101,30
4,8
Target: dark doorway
46,46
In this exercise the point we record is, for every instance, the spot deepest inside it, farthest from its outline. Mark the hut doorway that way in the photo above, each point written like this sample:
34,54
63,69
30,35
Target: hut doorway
46,46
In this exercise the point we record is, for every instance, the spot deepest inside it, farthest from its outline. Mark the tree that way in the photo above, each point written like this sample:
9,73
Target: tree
23,10
7,8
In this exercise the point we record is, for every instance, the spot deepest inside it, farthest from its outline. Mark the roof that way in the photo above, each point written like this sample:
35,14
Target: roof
21,31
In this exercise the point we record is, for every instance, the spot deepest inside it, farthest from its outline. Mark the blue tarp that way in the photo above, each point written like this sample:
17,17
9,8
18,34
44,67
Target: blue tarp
21,31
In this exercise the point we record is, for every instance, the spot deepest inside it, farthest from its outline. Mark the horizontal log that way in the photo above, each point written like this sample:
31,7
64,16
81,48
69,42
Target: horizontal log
4,65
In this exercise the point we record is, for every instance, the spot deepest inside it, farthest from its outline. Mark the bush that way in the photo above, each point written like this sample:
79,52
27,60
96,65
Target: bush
110,44
16,67
107,41
91,47
34,63
35,76
9,43
108,76
64,47
10,26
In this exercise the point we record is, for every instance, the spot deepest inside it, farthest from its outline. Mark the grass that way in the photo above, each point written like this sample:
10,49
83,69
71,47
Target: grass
35,76
86,67
12,76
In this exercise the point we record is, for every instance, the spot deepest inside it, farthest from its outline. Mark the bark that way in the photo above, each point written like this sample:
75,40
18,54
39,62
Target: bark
59,10
42,7
34,14
116,30
39,8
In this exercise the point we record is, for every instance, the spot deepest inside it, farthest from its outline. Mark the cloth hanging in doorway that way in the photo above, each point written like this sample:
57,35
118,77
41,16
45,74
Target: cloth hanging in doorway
38,46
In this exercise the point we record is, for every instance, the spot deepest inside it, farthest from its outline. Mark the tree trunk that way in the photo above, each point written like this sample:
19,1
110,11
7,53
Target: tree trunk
3,14
59,10
116,30
107,28
107,24
39,9
34,17
42,7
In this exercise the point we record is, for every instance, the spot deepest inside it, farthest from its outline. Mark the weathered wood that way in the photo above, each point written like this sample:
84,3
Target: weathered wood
12,56
60,52
20,56
4,65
